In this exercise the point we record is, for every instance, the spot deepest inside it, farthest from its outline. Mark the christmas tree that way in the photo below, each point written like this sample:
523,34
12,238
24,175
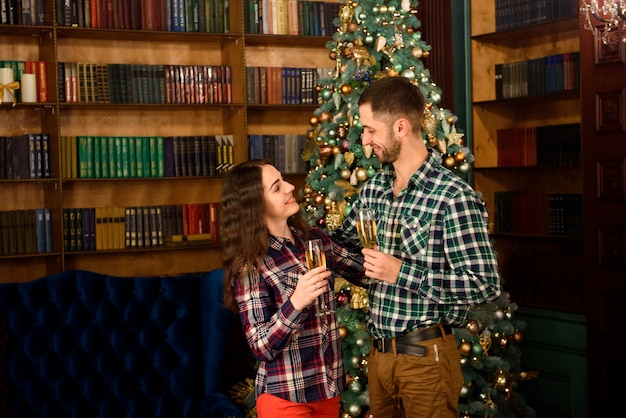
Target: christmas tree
382,39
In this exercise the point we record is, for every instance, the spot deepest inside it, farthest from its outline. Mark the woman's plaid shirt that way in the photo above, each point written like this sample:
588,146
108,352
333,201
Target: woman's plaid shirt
300,353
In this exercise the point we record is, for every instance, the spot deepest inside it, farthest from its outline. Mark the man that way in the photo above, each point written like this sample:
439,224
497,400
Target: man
433,261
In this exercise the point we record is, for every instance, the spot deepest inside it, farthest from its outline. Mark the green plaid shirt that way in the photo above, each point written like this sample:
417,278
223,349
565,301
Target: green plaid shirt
437,226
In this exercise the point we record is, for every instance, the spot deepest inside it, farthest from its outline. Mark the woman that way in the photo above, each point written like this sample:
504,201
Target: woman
267,282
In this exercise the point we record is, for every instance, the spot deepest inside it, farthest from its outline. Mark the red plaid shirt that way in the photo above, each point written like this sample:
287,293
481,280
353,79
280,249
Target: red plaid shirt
300,353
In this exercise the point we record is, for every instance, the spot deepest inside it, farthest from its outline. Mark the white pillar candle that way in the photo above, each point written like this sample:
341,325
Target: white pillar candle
6,78
28,88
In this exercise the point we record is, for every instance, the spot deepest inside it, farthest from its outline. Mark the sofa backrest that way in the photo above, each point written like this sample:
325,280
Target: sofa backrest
83,344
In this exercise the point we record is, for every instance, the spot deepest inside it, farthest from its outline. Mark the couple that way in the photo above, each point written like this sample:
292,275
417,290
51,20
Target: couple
434,261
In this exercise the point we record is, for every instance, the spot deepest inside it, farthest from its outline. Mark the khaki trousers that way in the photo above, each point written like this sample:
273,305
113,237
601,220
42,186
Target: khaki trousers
409,386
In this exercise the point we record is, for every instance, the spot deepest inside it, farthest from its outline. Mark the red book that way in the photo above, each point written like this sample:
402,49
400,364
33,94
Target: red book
95,9
214,222
185,208
194,226
42,81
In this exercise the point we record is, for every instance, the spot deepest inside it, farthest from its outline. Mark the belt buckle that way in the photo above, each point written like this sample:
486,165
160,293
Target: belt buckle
380,345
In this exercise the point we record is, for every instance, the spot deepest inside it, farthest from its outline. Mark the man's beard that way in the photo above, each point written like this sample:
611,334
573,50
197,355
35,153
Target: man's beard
391,150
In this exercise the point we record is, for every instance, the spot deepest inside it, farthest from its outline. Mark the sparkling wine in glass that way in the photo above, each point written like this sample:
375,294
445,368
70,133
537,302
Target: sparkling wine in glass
366,228
316,257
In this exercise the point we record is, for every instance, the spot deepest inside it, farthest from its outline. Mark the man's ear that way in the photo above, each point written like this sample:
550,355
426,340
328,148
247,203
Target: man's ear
401,127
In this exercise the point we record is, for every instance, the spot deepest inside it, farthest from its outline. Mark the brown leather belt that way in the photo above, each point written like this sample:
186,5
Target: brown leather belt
408,343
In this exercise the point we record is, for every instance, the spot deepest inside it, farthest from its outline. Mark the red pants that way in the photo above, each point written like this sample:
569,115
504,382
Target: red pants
407,386
269,406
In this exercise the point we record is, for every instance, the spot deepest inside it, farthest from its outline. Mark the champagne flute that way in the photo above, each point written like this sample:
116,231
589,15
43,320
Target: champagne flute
316,257
366,228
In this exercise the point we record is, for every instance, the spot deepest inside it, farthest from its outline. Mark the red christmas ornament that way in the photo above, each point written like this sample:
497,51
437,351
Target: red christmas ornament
342,299
321,222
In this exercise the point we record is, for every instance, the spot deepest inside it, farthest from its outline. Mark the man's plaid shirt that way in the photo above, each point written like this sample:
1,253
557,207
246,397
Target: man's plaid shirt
438,227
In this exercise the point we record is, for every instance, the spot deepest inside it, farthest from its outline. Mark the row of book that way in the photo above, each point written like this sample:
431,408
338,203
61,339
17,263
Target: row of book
514,14
149,15
284,151
283,85
551,74
290,17
27,231
90,157
550,145
538,213
144,83
25,156
22,12
547,279
39,68
115,228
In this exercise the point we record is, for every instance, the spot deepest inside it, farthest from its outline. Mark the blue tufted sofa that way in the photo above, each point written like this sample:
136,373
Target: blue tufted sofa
86,345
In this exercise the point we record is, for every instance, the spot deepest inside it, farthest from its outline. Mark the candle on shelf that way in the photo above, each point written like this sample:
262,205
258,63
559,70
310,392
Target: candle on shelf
29,88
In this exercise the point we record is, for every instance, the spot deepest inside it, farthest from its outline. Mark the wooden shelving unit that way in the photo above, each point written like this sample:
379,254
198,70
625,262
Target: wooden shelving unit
544,287
54,43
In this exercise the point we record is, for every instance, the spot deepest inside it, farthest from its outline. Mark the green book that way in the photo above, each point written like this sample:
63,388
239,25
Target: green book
104,157
90,156
125,157
118,157
139,156
112,157
132,157
145,155
83,168
153,157
160,146
97,157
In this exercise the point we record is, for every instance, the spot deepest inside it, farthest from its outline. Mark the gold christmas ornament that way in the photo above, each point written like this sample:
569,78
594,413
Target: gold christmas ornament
346,89
346,13
459,156
454,137
449,162
358,298
348,157
429,124
473,326
314,120
367,150
318,199
325,116
361,174
465,348
343,332
325,150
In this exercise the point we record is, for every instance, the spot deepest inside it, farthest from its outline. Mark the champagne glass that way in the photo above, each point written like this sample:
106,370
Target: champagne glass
316,257
366,228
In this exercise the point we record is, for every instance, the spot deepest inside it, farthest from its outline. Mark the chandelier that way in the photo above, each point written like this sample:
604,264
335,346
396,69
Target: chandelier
612,13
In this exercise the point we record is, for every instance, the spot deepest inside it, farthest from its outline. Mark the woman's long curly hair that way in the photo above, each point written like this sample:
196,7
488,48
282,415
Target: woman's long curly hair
243,229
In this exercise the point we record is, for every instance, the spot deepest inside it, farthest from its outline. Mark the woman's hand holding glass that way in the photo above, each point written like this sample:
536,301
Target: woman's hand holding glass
310,285
316,257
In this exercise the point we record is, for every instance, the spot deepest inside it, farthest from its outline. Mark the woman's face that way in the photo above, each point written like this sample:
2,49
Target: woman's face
278,193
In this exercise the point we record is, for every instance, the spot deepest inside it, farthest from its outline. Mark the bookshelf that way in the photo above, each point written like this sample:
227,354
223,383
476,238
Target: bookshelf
56,42
538,61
